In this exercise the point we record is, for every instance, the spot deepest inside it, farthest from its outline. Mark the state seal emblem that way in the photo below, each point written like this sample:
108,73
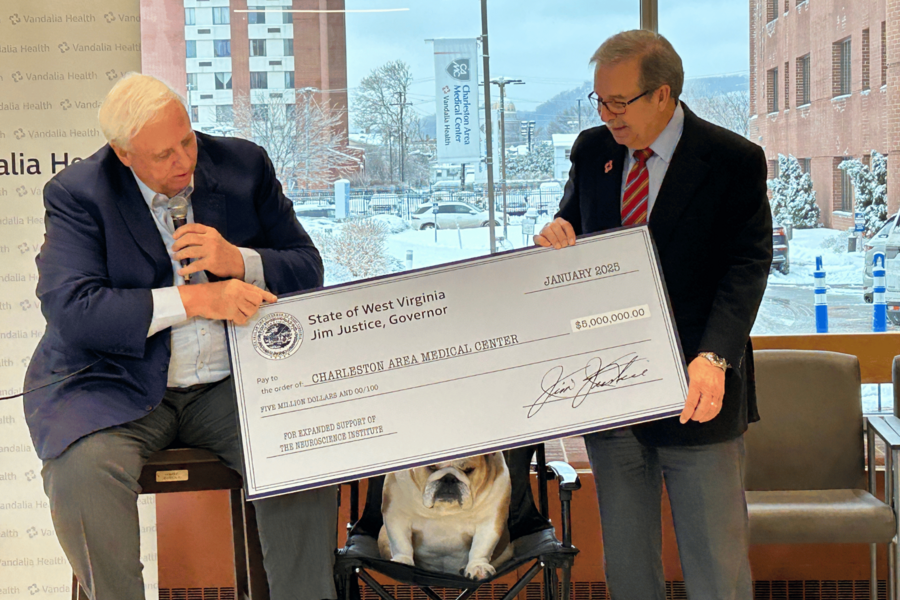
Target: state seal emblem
277,336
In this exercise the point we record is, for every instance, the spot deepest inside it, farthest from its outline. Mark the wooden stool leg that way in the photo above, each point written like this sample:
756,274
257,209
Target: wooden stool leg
241,574
259,587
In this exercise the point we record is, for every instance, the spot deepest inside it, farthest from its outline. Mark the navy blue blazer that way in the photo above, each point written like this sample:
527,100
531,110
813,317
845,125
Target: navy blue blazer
712,226
101,256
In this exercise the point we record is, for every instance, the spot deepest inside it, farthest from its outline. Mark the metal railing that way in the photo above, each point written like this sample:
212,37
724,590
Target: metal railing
406,203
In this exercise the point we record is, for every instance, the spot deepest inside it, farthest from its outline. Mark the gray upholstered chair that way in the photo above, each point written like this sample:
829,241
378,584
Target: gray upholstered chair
805,467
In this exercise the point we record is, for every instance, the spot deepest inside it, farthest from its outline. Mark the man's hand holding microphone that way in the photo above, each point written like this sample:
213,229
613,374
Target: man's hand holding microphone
202,248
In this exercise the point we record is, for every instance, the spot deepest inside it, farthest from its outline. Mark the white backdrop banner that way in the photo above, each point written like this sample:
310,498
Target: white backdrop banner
456,93
58,58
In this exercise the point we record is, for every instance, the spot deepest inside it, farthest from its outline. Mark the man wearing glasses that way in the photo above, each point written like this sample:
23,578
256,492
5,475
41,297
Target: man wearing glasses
702,191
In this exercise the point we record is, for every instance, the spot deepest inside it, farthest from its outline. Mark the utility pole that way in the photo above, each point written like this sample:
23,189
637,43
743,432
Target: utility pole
391,154
488,147
402,103
578,100
502,82
307,98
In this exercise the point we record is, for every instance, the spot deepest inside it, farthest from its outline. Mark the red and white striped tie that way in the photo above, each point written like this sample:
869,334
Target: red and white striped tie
637,190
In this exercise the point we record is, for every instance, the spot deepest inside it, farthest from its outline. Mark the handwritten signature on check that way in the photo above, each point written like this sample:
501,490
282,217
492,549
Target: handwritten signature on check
595,376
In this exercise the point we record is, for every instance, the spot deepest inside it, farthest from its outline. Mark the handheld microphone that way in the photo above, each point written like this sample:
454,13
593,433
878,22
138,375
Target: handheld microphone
178,210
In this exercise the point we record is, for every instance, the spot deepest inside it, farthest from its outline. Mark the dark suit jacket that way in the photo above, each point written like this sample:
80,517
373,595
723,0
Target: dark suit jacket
713,231
102,254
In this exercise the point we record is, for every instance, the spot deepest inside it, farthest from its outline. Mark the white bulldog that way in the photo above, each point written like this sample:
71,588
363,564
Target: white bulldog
449,517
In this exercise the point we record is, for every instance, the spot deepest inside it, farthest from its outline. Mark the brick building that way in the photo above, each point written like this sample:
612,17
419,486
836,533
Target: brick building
824,87
219,53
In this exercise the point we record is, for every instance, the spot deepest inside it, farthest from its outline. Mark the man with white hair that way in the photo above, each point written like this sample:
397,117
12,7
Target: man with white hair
134,359
702,192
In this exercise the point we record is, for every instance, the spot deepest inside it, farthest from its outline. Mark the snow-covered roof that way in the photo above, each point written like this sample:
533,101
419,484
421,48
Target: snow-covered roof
564,139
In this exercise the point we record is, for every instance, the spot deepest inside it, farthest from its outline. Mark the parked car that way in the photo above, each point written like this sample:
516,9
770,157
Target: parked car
384,204
892,271
781,259
546,199
467,197
875,244
307,211
515,202
450,215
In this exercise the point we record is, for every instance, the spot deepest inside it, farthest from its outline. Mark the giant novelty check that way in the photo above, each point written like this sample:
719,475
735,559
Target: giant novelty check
451,361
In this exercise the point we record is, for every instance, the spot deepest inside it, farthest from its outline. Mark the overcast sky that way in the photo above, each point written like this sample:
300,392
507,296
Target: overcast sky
546,43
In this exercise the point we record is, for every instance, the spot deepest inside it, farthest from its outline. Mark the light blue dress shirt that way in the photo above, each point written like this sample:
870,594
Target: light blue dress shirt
663,148
199,349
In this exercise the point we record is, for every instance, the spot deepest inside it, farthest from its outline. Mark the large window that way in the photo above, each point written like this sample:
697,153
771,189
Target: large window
803,80
190,16
257,47
787,85
223,81
866,84
840,68
259,80
221,15
191,82
255,18
289,47
843,186
190,48
289,80
222,48
772,90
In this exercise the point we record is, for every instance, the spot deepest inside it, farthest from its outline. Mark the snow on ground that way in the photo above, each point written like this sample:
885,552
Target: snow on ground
841,268
453,244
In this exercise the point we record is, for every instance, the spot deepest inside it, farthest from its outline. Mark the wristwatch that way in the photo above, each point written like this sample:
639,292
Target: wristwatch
716,360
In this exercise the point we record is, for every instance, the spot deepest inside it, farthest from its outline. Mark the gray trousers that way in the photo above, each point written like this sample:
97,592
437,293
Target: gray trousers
709,510
93,492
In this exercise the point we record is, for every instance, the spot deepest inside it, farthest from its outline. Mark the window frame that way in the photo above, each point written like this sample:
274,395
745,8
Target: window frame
220,83
255,45
803,84
217,11
255,77
216,46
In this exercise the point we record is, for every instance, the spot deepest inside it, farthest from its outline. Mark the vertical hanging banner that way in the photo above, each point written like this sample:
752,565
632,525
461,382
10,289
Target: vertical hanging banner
58,58
456,85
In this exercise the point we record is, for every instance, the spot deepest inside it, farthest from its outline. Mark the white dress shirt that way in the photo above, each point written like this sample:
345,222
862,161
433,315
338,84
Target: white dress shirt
663,148
199,349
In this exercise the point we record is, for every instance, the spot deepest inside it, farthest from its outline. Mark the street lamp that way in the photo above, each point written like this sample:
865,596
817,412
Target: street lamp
502,82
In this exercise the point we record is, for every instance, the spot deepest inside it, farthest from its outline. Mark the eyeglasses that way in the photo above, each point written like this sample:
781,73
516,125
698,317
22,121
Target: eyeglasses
616,107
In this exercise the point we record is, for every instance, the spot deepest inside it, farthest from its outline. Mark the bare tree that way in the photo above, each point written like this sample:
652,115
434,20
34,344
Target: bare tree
382,106
304,139
730,110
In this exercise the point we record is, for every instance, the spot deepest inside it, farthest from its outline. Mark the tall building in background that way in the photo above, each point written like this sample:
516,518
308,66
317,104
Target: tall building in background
225,54
825,87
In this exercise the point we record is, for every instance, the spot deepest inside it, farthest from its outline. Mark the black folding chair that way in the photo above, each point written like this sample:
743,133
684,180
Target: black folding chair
542,550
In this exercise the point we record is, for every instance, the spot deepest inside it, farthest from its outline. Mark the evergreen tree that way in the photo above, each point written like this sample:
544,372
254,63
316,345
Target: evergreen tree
537,164
870,184
793,197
